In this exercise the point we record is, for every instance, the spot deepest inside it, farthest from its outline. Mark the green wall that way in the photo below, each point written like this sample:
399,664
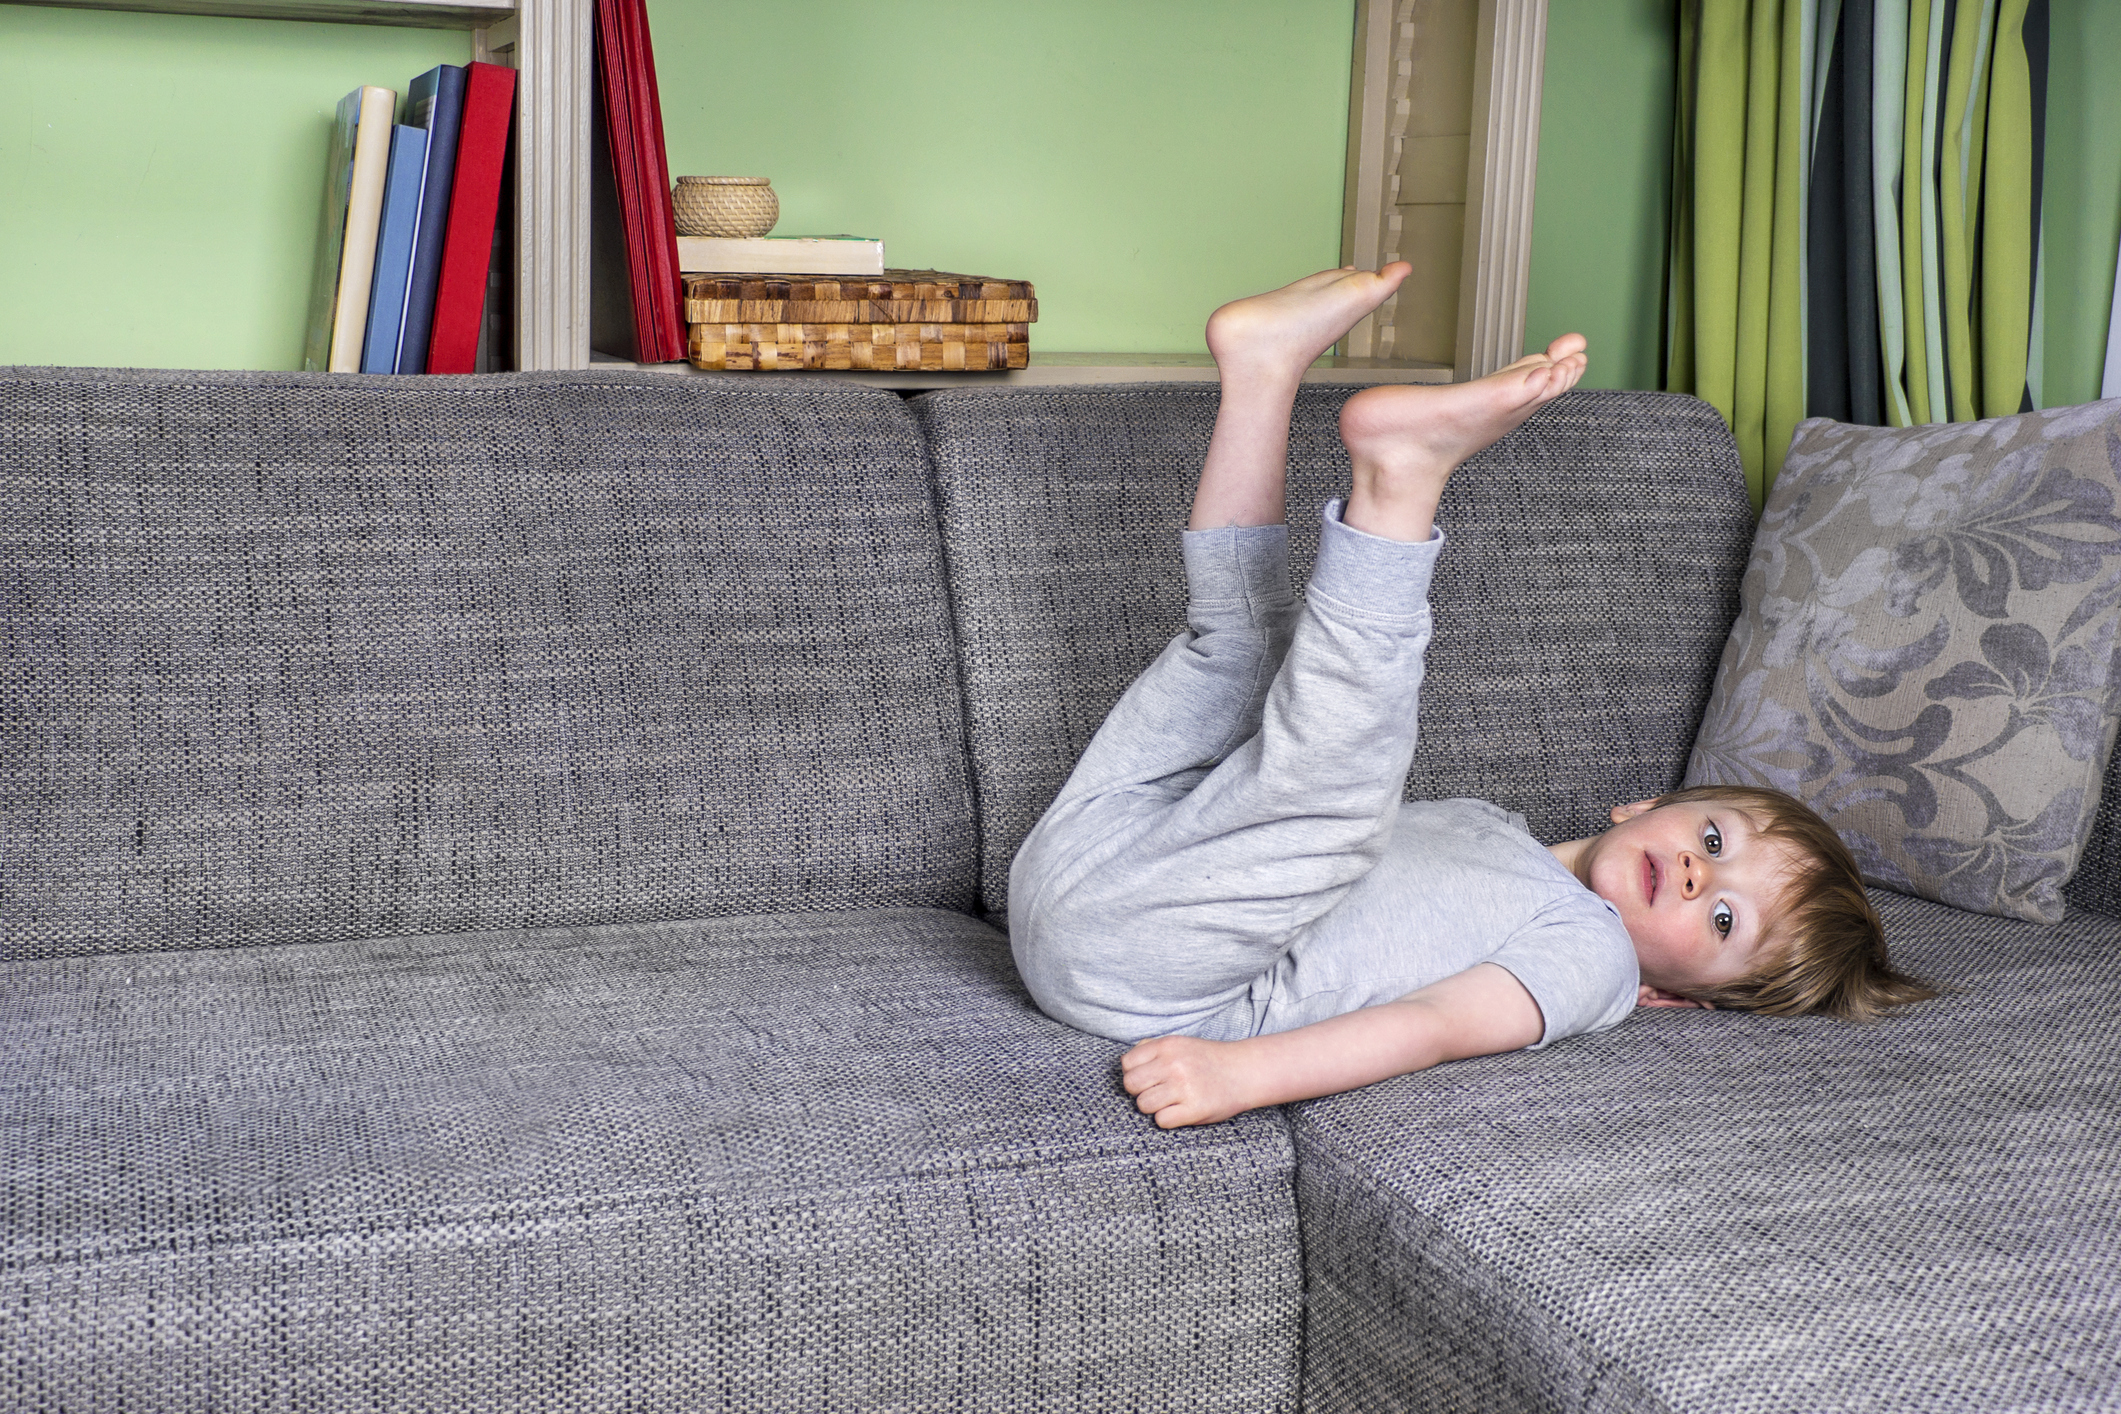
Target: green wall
160,175
161,178
2083,197
1141,162
1605,184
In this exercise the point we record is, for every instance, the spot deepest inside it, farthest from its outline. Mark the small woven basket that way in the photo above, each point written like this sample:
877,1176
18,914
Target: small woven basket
725,206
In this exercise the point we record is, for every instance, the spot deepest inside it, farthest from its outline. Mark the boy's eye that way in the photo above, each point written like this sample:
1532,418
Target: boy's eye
1711,840
1721,915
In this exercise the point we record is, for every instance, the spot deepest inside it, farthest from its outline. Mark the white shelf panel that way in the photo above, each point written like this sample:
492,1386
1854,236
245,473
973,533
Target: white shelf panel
1049,369
424,14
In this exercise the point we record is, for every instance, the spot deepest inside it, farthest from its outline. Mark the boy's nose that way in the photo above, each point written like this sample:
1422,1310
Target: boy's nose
1692,870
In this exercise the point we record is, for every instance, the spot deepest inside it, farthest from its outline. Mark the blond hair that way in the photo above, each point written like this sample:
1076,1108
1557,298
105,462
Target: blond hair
1824,946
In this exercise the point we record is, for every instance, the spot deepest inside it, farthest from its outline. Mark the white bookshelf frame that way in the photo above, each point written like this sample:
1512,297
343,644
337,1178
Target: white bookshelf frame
1053,369
1502,171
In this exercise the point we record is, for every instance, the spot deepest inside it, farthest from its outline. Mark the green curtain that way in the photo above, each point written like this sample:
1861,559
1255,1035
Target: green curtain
2010,220
1855,213
1737,338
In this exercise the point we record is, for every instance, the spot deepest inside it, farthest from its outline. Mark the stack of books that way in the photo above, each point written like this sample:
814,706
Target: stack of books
409,212
904,320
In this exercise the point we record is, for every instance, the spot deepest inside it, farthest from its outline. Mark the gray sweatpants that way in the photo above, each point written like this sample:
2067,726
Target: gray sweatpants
1237,791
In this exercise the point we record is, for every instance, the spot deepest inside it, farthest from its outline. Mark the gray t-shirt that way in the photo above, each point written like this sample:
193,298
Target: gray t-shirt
1461,883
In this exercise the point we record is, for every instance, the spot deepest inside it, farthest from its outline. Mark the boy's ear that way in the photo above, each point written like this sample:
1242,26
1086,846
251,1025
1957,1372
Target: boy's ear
1632,809
1646,995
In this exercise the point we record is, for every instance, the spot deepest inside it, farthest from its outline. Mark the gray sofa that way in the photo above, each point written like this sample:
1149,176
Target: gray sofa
500,884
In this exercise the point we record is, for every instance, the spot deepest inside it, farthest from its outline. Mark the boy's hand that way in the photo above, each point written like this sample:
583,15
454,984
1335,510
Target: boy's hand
1478,1012
1184,1080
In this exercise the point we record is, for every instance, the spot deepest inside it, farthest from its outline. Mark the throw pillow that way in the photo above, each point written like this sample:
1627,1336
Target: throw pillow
1924,651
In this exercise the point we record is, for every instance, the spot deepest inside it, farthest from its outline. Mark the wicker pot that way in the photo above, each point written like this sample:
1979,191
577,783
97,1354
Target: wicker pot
725,206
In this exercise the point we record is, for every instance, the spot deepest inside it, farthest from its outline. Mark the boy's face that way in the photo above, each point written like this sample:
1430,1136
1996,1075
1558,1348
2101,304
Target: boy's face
1696,886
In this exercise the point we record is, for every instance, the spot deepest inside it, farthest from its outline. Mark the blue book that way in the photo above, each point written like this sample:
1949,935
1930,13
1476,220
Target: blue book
401,213
434,102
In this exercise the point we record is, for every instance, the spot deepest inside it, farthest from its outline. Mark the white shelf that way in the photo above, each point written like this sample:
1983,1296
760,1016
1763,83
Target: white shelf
424,14
1052,369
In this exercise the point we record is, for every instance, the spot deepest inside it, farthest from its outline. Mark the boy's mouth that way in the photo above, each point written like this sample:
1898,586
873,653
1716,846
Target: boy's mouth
1649,879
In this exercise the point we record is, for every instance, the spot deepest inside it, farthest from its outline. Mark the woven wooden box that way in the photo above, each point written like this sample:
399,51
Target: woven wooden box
926,320
898,297
926,348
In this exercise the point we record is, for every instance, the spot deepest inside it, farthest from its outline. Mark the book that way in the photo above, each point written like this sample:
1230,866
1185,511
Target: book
782,255
621,319
634,295
882,348
331,235
474,198
897,297
434,102
660,215
355,167
401,215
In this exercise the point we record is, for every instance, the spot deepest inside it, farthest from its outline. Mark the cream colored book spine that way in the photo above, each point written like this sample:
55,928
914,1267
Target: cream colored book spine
781,255
364,216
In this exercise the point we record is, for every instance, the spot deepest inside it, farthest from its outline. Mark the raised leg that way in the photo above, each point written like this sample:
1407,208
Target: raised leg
1203,695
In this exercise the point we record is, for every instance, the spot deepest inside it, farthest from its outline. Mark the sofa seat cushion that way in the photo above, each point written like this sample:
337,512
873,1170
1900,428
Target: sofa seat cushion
781,1162
1707,1211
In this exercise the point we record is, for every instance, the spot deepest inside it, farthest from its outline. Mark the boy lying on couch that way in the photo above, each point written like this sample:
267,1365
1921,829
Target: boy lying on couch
1230,870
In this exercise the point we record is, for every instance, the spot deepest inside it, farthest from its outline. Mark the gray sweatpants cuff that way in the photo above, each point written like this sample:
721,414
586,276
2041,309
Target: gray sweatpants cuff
1238,563
1370,575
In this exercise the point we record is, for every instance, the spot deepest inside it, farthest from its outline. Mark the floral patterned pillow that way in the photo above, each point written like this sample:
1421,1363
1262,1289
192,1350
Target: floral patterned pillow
1925,649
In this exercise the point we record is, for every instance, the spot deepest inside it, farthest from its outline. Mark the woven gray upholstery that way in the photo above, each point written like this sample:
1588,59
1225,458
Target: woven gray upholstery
814,1161
1579,611
2097,883
293,659
1723,1213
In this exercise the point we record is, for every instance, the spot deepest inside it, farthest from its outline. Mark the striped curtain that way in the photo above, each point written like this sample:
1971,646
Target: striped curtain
1856,213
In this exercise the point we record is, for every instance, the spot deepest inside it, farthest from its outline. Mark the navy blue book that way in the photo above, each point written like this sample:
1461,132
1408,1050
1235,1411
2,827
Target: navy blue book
401,212
435,101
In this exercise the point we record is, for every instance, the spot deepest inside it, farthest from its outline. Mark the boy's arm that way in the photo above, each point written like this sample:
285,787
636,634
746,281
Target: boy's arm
1478,1012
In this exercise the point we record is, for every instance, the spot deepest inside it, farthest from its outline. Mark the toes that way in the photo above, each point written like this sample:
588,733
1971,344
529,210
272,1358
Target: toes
1562,376
1568,345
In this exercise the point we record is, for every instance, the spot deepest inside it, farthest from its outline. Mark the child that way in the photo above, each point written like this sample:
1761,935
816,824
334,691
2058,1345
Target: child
1230,868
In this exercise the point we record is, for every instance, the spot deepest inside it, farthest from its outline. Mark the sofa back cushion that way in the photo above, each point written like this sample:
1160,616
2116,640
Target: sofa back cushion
294,658
1580,610
2097,883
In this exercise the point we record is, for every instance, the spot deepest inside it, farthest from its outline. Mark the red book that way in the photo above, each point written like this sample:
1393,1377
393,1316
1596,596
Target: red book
625,166
633,118
475,198
658,213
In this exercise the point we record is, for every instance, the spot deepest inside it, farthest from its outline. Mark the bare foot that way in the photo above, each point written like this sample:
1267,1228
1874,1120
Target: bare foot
1283,330
1405,439
1262,346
